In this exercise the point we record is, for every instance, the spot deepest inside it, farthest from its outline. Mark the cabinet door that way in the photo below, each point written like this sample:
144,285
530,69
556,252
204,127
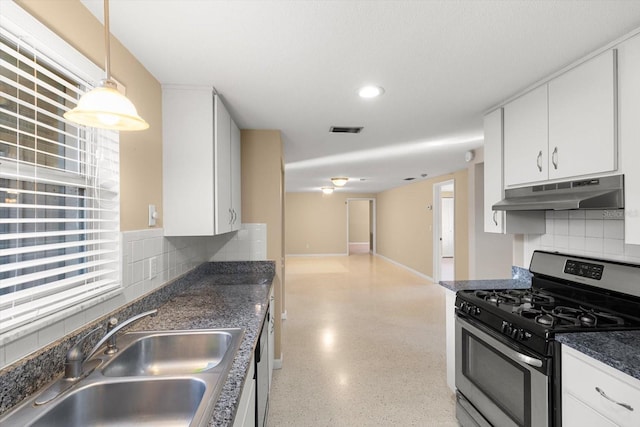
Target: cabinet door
526,138
582,119
493,188
236,177
223,214
188,161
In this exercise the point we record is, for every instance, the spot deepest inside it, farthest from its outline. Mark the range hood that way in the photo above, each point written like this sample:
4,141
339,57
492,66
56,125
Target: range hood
595,193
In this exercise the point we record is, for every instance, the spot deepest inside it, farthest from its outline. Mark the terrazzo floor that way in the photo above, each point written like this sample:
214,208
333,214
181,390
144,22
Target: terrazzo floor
363,345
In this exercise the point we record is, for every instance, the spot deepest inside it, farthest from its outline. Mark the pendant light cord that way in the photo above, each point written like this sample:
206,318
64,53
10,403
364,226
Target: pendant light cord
107,45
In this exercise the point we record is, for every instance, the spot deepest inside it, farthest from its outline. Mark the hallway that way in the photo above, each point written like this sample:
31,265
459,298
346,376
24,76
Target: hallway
363,345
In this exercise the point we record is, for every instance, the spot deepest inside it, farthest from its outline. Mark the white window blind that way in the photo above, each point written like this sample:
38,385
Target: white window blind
59,190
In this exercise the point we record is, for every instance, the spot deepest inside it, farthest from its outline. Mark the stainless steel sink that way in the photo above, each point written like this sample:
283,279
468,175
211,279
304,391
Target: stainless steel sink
157,378
171,402
172,352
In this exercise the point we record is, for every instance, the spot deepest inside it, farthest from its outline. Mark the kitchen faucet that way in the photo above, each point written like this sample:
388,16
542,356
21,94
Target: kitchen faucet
75,367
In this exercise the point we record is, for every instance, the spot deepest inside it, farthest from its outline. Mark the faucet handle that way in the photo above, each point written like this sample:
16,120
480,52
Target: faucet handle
74,358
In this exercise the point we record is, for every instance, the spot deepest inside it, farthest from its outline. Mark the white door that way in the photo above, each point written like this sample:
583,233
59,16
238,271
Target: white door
447,227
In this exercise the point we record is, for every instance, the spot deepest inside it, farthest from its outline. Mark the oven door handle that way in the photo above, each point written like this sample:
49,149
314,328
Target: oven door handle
506,349
531,361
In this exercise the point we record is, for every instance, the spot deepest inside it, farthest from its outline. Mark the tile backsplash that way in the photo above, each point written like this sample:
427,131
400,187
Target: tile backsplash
170,256
594,233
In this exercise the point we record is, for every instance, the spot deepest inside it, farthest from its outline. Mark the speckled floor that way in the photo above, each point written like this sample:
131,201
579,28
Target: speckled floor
363,345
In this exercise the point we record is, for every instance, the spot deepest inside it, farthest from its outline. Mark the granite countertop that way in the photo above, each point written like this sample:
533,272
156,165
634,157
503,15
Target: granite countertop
618,349
463,285
219,301
232,294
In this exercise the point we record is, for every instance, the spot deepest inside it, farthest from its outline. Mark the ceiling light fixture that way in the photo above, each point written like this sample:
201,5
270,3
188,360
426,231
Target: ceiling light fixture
339,181
104,107
370,91
327,190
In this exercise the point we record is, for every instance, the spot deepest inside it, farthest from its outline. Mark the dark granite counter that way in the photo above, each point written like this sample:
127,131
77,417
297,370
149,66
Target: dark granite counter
521,279
462,285
214,295
618,349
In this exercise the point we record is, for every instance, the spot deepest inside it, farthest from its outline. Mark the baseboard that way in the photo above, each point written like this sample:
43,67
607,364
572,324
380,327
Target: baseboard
315,255
277,363
417,273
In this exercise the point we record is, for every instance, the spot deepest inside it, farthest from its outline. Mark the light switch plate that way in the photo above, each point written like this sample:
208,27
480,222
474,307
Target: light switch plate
152,215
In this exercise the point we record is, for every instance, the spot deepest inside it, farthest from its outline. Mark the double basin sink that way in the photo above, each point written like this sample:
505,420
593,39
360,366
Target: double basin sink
157,378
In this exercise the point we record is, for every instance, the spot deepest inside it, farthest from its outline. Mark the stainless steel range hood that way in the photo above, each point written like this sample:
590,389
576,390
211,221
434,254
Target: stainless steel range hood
595,193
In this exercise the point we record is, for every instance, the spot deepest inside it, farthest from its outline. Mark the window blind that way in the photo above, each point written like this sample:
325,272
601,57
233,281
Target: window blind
59,191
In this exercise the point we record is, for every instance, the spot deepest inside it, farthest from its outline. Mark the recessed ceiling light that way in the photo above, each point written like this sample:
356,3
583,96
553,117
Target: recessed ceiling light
370,91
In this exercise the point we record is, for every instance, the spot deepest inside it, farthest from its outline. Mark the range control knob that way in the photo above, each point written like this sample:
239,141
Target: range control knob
514,333
505,328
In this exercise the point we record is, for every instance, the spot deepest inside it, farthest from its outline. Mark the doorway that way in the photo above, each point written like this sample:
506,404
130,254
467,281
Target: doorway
360,226
444,231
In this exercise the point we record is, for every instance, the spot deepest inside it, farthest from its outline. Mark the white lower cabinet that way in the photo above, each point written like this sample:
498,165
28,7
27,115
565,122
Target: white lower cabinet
246,414
595,394
272,335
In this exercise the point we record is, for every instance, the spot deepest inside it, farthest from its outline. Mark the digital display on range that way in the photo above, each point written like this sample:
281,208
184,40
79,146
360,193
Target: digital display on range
584,269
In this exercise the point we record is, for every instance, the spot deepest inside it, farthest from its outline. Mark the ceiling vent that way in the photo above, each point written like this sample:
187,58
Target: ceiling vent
345,129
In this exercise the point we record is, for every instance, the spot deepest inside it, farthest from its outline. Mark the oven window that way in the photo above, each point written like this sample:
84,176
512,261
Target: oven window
505,382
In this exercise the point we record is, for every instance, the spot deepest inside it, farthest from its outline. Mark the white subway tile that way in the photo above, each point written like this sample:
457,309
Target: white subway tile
577,214
20,347
561,242
577,227
576,243
594,214
614,229
138,271
50,333
546,240
74,322
594,245
594,228
137,250
613,247
561,227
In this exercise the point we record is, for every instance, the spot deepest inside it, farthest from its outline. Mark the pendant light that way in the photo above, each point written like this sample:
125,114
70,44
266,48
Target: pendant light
104,107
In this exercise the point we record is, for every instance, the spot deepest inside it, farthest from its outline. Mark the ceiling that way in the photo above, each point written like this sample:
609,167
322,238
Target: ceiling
297,66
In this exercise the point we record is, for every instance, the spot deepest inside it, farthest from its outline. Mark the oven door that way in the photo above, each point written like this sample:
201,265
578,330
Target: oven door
498,384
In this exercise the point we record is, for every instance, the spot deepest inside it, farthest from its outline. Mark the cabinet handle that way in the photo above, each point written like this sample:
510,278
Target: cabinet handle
230,216
603,394
495,217
539,161
554,158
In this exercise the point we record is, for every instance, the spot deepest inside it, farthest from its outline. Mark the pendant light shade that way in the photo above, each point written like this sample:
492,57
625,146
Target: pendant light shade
104,107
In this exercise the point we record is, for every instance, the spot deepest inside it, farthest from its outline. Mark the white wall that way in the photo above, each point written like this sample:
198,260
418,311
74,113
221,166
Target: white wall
175,256
593,233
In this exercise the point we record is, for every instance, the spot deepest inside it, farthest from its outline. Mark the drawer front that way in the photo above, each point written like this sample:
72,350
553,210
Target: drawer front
577,414
609,392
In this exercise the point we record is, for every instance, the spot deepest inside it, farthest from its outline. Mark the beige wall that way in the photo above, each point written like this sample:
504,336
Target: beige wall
262,202
140,152
405,224
317,223
359,221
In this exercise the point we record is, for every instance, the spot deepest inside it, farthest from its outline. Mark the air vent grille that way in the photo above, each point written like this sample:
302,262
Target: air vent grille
345,129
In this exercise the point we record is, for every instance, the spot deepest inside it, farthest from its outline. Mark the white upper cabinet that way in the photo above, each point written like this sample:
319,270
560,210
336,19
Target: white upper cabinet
565,128
201,160
526,130
223,215
493,188
582,119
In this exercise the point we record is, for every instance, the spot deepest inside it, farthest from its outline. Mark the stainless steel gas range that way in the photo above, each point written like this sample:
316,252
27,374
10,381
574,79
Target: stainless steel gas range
507,360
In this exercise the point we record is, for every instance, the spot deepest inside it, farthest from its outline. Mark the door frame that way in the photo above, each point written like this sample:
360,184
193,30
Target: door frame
372,215
437,226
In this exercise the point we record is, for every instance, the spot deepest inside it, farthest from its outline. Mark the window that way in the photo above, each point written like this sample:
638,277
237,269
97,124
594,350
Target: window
59,190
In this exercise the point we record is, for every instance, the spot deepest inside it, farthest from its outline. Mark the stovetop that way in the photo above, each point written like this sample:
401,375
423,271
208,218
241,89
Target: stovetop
554,304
